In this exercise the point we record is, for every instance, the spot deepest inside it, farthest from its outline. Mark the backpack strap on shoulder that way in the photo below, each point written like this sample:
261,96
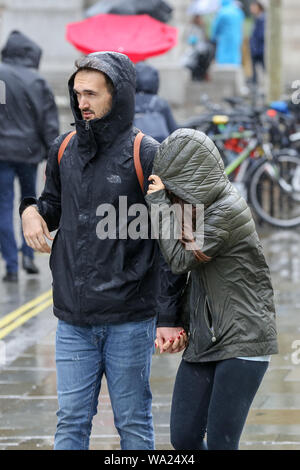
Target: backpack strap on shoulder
136,154
63,145
137,160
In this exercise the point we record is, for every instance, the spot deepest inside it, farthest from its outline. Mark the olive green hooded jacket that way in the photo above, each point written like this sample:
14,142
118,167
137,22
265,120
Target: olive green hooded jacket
228,307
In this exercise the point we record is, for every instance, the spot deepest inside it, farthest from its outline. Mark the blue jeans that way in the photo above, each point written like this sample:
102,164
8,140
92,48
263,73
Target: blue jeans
26,173
123,352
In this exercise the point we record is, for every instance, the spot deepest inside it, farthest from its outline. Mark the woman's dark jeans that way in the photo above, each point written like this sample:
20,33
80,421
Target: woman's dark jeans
213,398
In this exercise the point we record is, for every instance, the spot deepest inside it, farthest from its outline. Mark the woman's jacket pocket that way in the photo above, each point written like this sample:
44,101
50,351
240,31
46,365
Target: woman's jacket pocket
202,331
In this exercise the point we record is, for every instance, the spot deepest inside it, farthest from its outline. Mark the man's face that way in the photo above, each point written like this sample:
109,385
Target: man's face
254,9
94,98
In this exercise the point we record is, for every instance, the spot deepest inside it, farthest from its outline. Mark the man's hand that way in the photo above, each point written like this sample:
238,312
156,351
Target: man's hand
35,230
170,339
156,184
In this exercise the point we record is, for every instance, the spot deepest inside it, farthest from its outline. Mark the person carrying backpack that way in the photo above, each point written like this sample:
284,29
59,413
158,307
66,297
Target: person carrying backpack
106,283
153,115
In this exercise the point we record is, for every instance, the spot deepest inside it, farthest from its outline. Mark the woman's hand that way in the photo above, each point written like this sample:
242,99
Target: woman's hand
170,339
156,184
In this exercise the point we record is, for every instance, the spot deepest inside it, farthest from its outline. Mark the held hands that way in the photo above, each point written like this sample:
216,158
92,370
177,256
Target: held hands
170,340
35,230
155,185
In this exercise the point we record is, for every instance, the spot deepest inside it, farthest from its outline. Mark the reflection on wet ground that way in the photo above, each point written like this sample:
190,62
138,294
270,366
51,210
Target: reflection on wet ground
28,382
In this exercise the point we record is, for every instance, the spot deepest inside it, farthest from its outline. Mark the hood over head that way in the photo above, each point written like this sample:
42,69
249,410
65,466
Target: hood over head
119,68
191,167
20,50
225,3
147,78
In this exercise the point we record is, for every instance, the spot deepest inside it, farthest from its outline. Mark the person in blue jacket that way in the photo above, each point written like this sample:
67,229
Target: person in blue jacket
257,38
227,33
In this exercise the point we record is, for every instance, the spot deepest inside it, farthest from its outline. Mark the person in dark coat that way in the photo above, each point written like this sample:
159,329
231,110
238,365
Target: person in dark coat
153,114
28,126
257,38
106,279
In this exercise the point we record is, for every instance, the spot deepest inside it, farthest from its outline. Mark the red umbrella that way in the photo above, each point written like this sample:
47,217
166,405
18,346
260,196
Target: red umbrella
137,36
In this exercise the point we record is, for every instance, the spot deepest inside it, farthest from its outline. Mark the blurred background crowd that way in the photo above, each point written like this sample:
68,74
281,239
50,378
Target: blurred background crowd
218,44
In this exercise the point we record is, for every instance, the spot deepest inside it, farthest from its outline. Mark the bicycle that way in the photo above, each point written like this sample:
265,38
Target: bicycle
252,141
279,120
269,180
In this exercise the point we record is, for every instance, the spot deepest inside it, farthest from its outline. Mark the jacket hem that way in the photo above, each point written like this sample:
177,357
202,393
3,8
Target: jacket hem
101,319
164,324
231,352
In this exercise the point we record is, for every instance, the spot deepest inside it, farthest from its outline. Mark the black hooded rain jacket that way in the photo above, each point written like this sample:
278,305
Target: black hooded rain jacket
98,281
29,117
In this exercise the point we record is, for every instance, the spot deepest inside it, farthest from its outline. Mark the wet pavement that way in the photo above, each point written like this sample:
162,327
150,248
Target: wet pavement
28,400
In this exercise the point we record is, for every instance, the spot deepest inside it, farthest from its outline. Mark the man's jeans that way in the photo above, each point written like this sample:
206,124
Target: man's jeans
122,352
26,173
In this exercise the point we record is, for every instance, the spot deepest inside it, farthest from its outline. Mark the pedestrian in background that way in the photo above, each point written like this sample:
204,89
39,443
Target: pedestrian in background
28,126
106,289
200,51
153,115
228,306
227,33
257,39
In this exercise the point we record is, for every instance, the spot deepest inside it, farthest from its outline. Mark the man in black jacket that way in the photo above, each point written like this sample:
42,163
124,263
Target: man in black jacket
28,126
105,288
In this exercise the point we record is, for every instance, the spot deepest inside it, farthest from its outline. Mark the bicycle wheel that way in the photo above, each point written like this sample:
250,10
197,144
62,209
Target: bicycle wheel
274,191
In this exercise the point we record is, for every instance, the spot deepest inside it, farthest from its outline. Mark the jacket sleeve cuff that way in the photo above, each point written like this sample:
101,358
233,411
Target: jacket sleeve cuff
27,201
158,197
161,322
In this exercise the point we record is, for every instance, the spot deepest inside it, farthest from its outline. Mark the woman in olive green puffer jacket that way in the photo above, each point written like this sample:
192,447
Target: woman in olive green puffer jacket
228,307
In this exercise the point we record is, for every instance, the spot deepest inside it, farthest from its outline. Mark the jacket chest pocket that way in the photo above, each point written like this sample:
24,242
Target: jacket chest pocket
202,332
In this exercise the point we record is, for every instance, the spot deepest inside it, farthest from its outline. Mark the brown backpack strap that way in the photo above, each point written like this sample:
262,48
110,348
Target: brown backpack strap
63,145
137,160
